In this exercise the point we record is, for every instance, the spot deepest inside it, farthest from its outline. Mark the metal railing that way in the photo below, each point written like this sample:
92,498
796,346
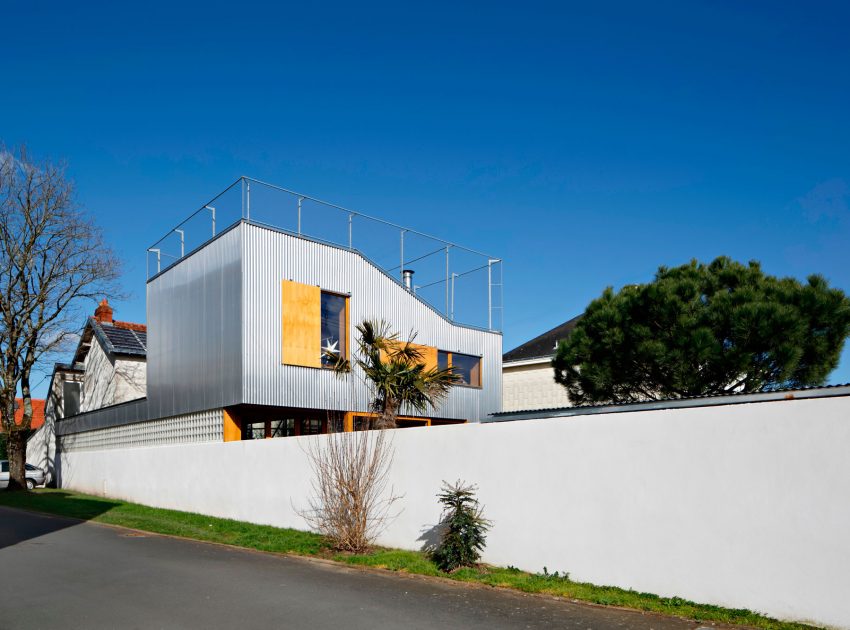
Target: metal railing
461,282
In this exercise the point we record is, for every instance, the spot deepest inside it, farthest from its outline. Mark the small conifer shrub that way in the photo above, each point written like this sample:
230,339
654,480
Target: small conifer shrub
464,528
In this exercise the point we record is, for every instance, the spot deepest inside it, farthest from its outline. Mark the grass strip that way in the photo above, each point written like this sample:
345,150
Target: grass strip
274,539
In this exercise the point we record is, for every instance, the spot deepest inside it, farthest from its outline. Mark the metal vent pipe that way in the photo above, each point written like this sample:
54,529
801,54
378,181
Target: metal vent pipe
407,274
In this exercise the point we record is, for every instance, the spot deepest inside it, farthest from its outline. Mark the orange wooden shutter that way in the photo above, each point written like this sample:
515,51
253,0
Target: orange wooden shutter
302,324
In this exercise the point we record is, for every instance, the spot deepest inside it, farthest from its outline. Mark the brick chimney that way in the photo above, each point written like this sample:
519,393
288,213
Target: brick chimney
103,312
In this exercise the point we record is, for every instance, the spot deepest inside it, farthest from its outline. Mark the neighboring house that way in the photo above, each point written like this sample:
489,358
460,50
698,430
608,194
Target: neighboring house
108,368
236,335
37,413
113,356
528,379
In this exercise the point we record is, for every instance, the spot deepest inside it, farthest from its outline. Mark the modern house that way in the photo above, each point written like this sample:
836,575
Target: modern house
237,331
528,380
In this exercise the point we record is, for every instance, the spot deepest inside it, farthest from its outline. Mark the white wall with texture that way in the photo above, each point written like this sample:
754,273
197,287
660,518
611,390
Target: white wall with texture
531,385
741,506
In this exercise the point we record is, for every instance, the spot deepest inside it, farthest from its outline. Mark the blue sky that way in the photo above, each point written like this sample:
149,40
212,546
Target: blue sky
586,145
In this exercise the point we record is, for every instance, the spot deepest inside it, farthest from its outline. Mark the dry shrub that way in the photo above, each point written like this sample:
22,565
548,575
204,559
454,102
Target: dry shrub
351,501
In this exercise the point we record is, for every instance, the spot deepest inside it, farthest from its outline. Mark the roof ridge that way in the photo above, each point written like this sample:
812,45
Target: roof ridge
130,326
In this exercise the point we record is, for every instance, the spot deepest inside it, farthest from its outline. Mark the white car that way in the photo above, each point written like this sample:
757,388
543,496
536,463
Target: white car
35,475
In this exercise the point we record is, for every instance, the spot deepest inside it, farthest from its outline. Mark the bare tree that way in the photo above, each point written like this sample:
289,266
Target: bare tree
352,500
51,257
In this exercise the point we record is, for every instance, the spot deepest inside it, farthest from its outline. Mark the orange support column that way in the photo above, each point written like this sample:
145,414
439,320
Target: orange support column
232,429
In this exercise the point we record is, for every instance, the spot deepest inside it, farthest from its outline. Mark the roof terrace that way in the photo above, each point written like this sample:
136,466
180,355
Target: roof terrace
462,283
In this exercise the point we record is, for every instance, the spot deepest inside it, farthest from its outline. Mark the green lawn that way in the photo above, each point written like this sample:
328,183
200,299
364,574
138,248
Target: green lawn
265,538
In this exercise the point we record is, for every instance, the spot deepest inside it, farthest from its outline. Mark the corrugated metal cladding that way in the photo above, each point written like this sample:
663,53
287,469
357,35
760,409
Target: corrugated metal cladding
204,426
270,256
194,313
116,415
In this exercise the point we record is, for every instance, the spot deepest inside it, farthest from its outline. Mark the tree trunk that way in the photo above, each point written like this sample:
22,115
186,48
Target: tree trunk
17,447
386,419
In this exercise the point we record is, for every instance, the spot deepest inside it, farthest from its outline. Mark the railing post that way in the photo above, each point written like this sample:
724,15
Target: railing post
153,249
447,279
454,275
211,209
401,266
489,294
182,242
300,199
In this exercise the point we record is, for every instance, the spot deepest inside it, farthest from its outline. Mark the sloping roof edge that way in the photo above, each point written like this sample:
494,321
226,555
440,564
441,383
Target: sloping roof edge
542,345
93,328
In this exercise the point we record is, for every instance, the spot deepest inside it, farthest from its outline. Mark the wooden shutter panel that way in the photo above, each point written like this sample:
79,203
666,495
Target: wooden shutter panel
302,324
429,354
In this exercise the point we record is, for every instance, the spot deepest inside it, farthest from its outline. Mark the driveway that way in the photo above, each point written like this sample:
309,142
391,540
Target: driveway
61,573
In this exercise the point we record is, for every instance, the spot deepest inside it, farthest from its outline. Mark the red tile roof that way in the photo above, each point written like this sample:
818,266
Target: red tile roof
37,412
130,326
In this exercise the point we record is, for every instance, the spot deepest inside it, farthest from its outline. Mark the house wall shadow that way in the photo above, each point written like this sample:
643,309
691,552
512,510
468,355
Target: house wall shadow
19,523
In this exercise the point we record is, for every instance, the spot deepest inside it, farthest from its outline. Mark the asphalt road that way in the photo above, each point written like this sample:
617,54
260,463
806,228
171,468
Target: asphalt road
60,573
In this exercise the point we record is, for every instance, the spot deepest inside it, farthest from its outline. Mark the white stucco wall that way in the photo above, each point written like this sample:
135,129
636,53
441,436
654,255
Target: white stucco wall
41,449
531,385
41,445
130,378
741,506
111,381
98,381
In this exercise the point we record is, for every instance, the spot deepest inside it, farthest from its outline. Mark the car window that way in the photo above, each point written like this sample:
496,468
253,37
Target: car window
4,467
30,467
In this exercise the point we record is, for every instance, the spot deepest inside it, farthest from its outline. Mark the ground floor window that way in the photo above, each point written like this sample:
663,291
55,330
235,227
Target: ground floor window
256,422
254,431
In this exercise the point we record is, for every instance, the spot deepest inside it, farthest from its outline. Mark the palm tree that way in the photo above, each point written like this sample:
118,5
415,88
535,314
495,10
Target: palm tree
396,373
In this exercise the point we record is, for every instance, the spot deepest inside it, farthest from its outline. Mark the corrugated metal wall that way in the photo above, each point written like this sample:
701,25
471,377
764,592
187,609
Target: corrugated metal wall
271,256
194,330
215,326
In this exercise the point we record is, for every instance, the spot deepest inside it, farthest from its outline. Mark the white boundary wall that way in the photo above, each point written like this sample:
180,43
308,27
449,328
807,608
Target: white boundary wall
742,506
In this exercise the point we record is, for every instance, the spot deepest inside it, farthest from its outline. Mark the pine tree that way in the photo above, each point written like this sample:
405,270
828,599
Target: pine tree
701,330
464,528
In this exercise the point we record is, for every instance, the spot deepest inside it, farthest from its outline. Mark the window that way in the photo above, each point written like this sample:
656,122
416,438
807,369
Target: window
254,431
466,366
70,398
333,340
283,428
4,466
362,423
30,467
311,426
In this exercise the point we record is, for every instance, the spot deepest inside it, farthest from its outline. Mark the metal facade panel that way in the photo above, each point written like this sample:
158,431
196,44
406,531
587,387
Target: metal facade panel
114,415
270,256
194,313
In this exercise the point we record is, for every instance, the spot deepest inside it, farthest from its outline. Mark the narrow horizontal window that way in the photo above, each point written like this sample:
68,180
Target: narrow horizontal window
254,431
283,428
311,426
